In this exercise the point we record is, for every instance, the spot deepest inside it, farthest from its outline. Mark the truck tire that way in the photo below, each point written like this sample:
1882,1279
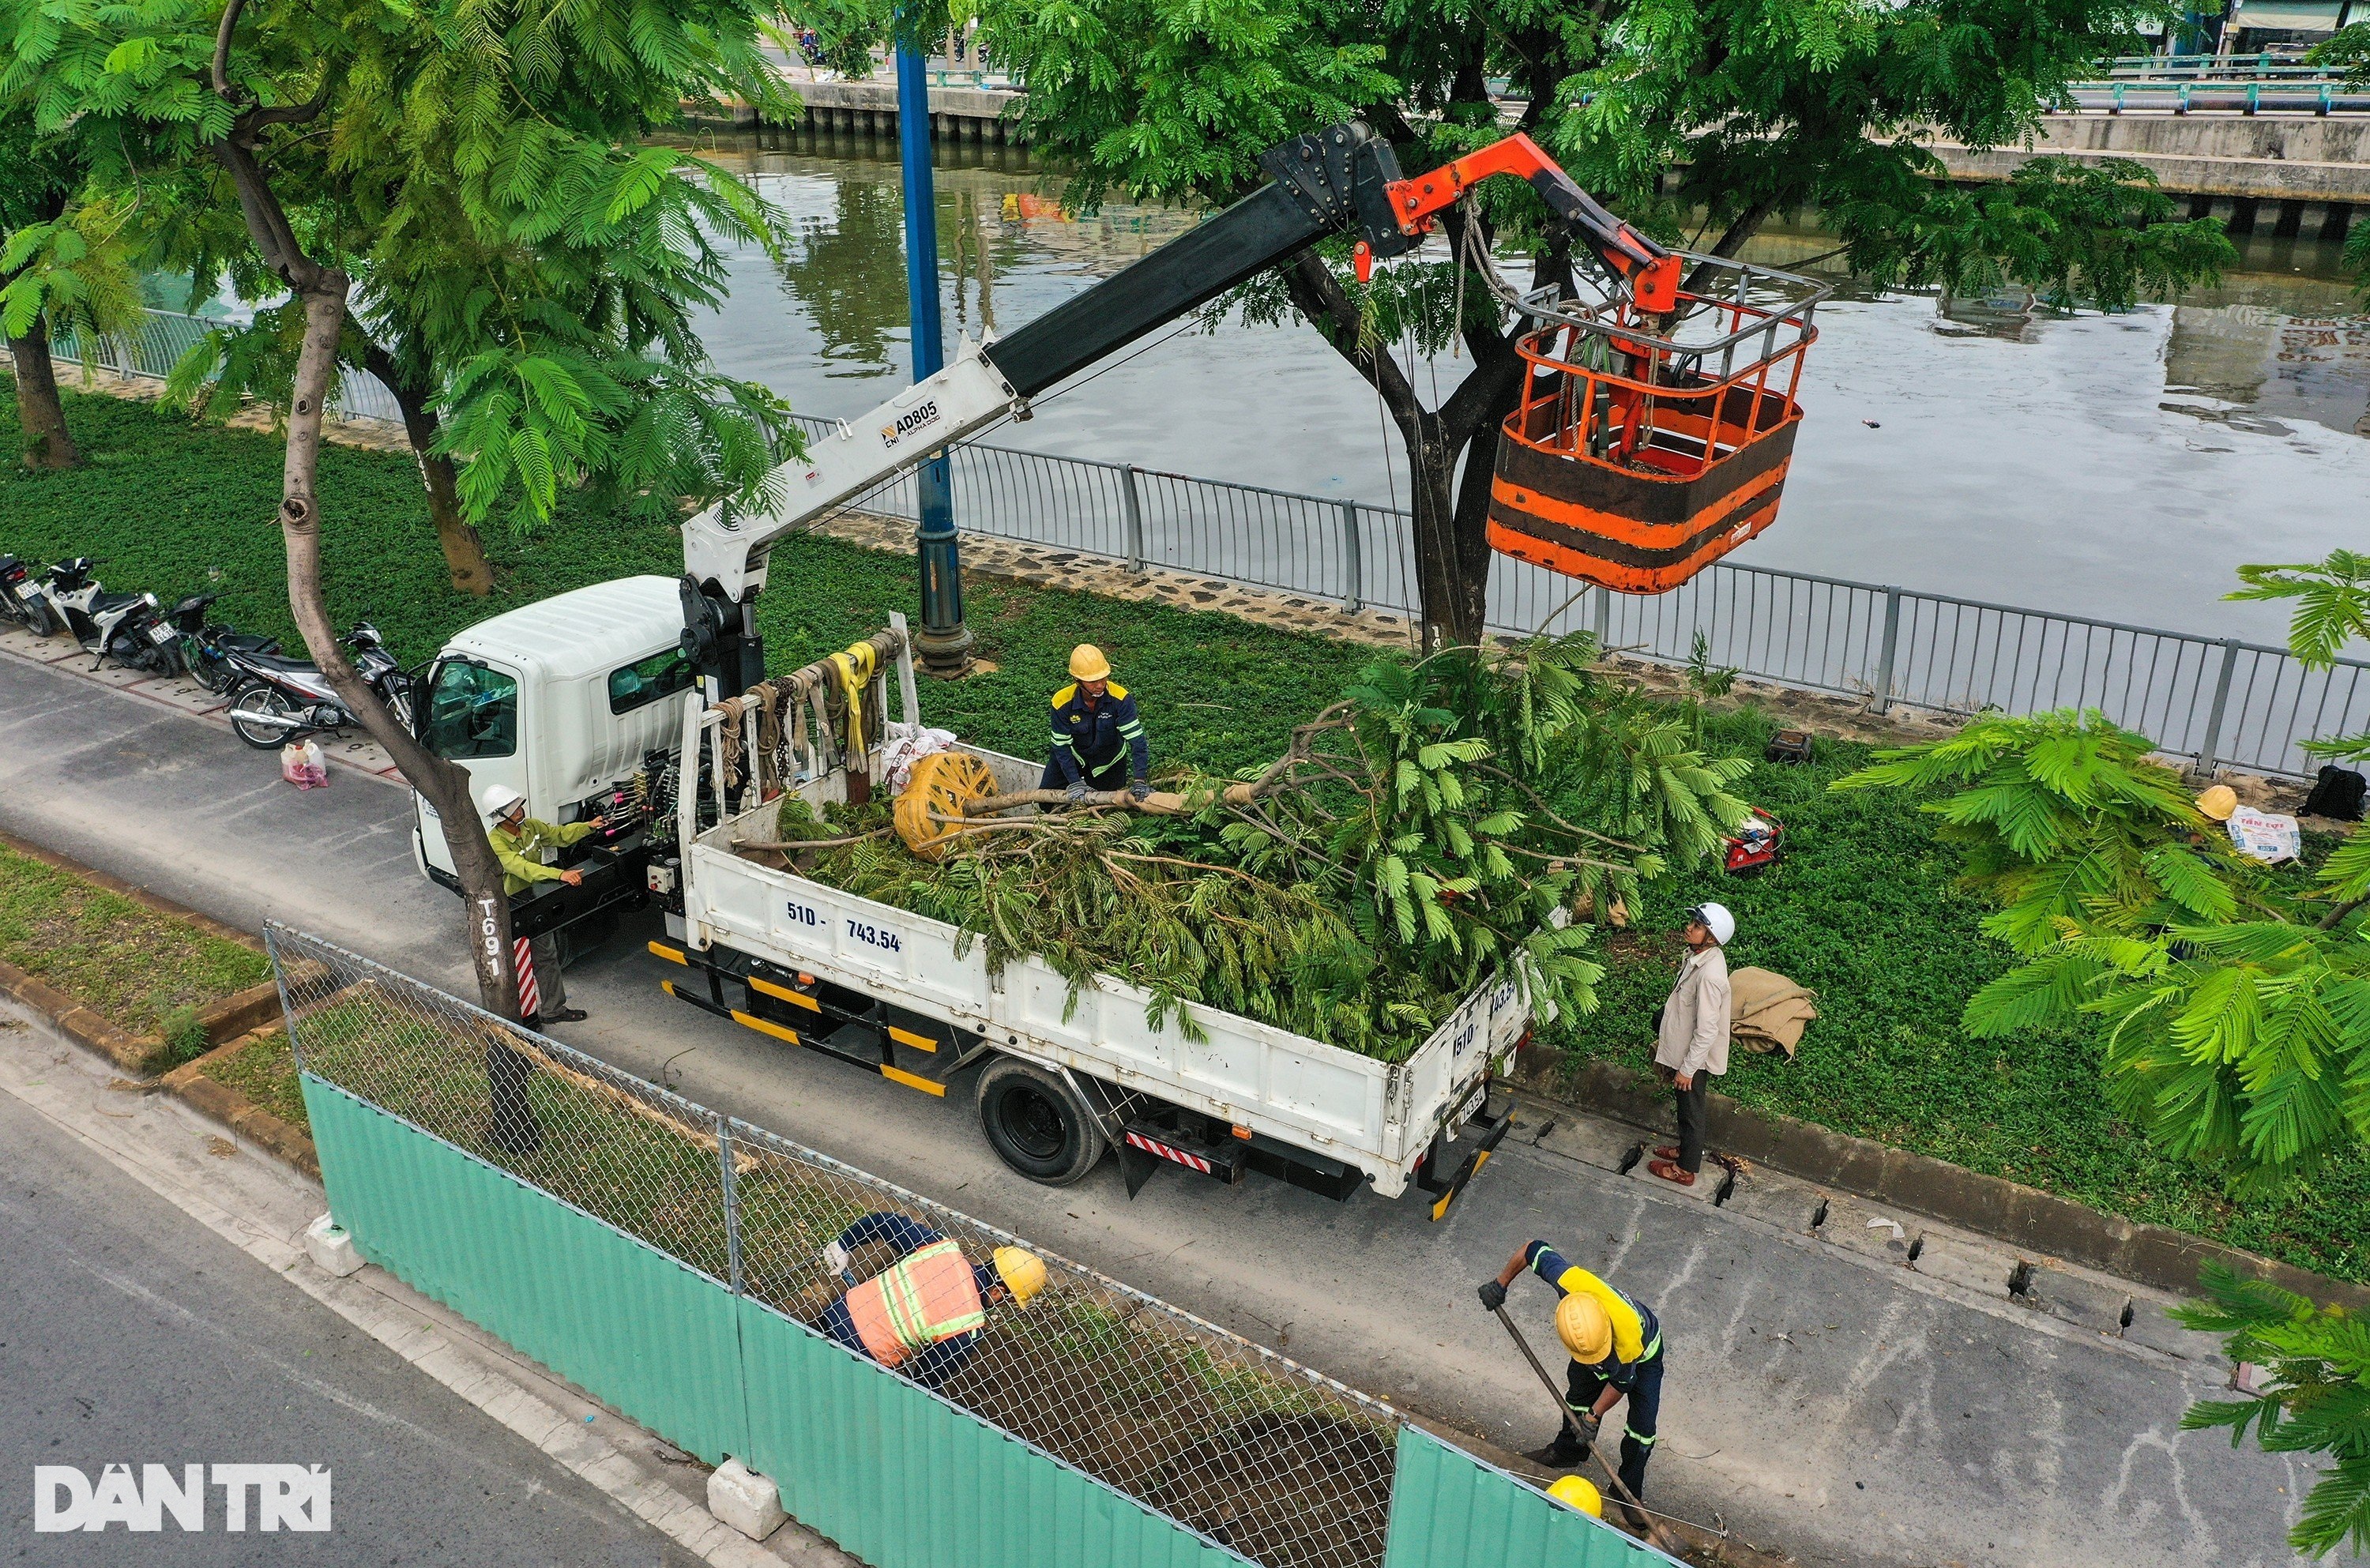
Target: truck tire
1036,1125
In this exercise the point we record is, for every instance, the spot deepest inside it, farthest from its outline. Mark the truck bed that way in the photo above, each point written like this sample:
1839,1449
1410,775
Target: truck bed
1379,1117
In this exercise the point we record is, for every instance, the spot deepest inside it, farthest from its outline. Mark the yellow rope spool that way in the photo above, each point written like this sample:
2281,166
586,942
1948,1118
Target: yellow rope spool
943,782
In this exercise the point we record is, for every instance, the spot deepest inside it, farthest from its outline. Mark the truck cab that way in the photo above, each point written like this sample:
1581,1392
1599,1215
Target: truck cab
559,699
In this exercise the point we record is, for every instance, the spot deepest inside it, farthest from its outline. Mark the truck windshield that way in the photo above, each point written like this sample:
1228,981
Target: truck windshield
472,711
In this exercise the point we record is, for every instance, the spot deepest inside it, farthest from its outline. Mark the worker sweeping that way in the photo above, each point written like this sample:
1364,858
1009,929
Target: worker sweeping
922,1315
1617,1352
518,842
1099,742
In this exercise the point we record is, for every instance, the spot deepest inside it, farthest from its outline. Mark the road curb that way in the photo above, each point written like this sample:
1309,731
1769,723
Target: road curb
2153,1255
218,1102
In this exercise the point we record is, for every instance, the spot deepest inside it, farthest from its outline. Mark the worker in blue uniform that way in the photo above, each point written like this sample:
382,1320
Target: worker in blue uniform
1097,742
1617,1352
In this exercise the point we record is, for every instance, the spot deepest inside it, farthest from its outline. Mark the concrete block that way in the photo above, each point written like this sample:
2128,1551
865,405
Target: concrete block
741,1498
327,1243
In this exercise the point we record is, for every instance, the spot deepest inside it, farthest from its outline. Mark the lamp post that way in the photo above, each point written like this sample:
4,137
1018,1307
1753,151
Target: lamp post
944,642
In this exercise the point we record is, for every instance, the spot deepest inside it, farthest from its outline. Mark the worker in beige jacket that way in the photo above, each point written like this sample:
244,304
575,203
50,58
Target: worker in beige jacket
1691,1037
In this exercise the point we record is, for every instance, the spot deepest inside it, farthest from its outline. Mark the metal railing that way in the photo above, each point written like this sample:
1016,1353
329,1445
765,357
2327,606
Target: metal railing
2217,700
2220,701
164,336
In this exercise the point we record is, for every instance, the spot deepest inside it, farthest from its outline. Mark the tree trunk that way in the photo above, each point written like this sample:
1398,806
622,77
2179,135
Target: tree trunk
487,916
39,408
464,552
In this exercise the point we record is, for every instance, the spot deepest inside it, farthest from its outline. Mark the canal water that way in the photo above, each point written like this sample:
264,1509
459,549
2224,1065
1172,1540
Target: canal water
2111,465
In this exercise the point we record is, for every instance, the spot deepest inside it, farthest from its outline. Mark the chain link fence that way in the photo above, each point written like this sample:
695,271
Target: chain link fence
2217,700
1268,1458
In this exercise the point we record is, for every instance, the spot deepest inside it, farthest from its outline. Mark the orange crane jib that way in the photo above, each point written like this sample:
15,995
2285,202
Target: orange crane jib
1637,456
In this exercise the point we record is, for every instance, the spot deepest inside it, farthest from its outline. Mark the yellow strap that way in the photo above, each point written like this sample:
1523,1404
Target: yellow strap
855,668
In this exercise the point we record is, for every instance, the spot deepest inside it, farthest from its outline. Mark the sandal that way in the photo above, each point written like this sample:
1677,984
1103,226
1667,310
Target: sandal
1671,1173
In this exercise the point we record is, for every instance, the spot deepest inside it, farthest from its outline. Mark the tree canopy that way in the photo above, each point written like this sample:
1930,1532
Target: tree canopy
1697,120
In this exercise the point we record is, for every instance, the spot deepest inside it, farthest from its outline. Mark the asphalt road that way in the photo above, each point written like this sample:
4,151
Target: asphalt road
1845,1413
131,1334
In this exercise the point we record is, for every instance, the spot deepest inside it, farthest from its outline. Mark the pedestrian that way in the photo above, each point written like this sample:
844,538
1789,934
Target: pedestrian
922,1314
1616,1347
1691,1037
518,843
1099,742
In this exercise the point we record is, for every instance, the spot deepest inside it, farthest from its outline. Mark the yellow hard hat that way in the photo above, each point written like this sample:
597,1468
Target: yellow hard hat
1579,1491
1087,664
2219,802
1584,1329
1023,1273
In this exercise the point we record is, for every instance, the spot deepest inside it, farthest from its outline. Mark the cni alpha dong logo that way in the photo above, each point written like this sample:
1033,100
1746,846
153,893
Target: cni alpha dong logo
909,422
262,1497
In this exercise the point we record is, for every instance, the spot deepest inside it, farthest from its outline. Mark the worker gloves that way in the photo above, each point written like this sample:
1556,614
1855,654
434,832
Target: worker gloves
1076,792
1140,790
1493,1295
834,1258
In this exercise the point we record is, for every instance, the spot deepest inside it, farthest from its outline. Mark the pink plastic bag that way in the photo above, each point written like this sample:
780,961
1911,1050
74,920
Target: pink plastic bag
303,764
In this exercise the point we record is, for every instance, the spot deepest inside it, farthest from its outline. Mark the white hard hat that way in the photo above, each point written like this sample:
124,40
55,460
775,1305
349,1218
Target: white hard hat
496,799
1716,919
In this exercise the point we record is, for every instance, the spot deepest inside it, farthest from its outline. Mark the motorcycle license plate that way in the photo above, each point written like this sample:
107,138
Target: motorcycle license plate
160,635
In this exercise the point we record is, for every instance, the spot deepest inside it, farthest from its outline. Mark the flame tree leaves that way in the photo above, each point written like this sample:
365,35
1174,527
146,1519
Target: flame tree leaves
2314,1367
477,166
1437,826
2235,997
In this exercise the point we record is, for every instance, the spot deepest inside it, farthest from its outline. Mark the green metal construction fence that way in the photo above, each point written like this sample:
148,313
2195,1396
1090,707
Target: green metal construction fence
664,1257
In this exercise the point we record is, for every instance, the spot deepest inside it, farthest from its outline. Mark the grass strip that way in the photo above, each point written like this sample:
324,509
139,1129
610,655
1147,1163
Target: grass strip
1862,910
263,1072
146,972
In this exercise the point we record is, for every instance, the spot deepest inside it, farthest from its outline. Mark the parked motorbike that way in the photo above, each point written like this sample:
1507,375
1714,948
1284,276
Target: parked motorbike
123,627
21,599
279,700
206,645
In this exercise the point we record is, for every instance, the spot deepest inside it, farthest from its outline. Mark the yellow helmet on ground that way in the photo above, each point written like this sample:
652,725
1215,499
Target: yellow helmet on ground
1579,1491
1023,1273
1087,664
1584,1329
2219,802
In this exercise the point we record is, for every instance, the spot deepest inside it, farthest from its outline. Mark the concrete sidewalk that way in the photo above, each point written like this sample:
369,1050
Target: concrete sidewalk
1821,1396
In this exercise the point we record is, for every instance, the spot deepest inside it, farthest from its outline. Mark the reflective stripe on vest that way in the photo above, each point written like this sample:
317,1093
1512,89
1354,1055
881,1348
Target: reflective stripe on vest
928,1296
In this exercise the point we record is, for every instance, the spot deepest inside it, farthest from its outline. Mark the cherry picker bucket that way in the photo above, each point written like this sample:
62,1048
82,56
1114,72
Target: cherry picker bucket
1648,446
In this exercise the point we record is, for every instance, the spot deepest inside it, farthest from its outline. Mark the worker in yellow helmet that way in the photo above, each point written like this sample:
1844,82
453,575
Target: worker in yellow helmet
1617,1352
922,1315
1099,742
1578,1492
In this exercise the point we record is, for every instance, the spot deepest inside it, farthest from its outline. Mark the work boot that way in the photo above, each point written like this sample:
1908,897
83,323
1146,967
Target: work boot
1563,1454
566,1015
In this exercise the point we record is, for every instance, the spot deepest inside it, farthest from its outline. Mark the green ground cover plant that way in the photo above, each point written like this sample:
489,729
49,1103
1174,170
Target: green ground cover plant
263,1071
144,973
1863,909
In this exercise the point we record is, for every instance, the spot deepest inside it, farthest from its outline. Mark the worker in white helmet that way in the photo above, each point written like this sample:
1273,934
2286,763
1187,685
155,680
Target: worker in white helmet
1691,1037
518,843
1616,1346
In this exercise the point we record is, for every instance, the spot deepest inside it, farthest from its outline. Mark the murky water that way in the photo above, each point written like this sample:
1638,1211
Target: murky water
2109,466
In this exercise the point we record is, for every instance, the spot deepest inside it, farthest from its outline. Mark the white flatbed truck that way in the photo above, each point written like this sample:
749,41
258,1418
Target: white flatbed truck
575,702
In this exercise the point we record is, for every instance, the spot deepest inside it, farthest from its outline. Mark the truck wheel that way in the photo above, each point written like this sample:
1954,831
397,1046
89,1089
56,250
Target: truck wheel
1036,1123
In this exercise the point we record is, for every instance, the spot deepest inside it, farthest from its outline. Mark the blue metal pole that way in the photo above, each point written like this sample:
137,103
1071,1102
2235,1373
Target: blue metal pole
944,642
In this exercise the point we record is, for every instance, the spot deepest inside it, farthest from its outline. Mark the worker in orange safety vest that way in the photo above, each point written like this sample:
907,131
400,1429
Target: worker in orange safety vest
922,1315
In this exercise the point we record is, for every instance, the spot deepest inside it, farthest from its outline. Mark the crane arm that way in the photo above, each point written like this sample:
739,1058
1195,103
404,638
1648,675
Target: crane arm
1343,179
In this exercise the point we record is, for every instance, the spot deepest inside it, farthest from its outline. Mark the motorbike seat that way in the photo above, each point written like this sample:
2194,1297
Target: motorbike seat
273,662
107,602
248,642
